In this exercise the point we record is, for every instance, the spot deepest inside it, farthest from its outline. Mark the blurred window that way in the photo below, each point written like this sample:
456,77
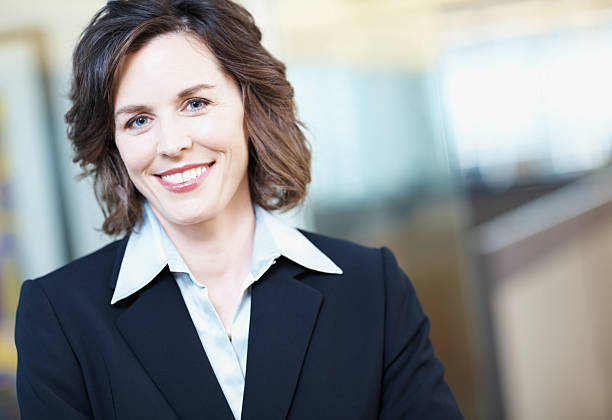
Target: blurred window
530,108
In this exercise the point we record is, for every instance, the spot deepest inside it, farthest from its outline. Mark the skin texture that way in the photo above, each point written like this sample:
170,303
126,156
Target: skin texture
174,106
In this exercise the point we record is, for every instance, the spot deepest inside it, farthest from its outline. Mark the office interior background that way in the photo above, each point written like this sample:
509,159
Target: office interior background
472,137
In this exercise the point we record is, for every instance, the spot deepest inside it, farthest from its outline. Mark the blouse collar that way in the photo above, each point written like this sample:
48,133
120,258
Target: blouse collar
149,250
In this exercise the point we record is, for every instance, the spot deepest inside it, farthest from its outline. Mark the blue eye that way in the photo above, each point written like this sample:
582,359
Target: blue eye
137,122
197,104
140,121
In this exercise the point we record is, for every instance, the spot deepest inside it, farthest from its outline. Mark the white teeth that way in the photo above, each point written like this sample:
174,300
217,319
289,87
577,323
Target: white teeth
184,176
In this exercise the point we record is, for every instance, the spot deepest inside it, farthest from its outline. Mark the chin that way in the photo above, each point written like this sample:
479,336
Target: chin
182,213
183,217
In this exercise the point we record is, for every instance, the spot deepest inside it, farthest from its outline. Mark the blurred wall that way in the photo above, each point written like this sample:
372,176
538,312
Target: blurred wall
553,323
48,31
548,265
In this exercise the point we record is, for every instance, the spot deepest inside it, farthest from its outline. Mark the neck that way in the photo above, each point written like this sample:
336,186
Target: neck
218,250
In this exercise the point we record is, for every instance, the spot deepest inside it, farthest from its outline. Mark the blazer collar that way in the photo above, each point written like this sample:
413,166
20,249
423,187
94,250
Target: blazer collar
157,327
148,250
284,312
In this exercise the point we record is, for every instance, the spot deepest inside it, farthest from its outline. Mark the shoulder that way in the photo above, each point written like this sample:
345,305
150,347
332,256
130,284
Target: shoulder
353,257
73,295
89,272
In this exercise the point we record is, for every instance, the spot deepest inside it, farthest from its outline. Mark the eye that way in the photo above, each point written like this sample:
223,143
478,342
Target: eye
137,122
196,104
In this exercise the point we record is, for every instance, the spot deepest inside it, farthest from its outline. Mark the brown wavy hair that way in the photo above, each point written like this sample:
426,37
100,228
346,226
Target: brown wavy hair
279,154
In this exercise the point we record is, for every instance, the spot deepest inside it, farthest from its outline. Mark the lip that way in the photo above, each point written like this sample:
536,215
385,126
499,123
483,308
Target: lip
184,168
186,186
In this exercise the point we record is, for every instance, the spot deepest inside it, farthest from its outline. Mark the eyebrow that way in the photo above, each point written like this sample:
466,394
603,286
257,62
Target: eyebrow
191,90
134,109
130,109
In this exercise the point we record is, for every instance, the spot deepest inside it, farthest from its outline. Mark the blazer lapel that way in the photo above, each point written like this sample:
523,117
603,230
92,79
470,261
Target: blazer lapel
283,314
160,332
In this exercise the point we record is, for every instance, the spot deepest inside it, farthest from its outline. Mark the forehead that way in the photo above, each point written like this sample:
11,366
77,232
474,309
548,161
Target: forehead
166,64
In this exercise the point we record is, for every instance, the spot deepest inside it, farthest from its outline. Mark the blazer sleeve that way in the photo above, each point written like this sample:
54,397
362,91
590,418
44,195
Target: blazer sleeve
49,380
413,378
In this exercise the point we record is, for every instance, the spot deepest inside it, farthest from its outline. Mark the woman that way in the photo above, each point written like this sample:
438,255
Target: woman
188,126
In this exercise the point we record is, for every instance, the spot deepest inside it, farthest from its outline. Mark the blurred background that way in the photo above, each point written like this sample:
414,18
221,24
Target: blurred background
472,137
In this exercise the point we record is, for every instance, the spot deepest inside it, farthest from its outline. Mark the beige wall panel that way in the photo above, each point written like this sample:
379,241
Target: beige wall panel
553,326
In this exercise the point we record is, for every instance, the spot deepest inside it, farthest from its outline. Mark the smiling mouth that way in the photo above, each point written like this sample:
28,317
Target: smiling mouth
183,176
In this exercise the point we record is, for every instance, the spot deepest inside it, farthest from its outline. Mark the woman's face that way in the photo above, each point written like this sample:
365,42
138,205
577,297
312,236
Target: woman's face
180,132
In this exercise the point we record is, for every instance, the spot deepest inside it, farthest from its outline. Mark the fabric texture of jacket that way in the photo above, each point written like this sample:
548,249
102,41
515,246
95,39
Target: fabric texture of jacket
321,346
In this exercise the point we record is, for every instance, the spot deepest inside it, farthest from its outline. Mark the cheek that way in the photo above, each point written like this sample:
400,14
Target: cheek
220,135
223,128
136,157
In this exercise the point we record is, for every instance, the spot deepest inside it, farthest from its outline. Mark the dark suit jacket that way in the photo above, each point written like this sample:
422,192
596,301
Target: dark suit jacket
351,346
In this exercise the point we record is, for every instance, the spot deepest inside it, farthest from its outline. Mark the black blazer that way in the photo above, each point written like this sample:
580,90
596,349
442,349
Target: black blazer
321,346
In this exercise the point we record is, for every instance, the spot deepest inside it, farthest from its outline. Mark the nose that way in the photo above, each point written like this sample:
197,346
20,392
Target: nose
173,138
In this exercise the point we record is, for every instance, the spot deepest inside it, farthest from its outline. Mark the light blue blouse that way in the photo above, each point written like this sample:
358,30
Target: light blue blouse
149,250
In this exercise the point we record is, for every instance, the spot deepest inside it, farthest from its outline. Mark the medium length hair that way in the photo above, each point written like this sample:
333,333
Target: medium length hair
279,154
